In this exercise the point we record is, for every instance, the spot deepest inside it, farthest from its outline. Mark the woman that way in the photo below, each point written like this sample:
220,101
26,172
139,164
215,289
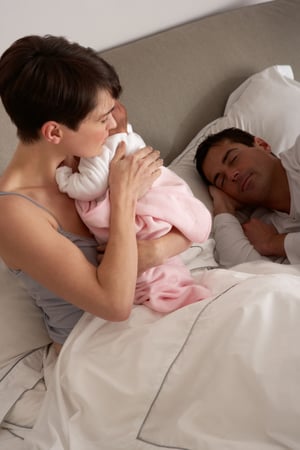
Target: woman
61,97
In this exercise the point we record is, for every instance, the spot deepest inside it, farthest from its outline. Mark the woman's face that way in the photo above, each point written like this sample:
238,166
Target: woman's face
87,141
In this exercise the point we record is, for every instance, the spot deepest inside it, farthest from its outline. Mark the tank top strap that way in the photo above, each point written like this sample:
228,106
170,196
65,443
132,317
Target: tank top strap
2,193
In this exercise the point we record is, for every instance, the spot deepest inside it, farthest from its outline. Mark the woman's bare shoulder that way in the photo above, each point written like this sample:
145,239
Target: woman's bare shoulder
15,207
21,221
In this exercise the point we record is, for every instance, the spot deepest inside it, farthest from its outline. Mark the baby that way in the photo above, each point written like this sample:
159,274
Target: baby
168,203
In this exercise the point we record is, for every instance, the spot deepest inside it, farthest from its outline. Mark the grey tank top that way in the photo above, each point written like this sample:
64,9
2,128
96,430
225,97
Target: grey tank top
60,317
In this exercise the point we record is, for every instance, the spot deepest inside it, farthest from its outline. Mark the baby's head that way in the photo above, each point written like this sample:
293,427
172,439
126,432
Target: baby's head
120,115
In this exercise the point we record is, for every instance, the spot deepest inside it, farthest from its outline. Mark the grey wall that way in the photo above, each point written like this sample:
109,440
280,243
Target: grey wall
98,23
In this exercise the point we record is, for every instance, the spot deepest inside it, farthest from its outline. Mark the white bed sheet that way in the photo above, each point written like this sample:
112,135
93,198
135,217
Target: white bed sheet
22,390
10,442
219,374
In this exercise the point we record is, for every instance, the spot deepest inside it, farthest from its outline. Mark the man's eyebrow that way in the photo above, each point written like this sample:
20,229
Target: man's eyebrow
225,157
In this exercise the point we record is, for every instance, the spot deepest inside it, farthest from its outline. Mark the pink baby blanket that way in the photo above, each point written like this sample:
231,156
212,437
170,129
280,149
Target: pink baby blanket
169,203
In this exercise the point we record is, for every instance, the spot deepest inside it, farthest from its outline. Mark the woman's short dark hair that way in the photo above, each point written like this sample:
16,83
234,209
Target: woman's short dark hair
49,78
231,134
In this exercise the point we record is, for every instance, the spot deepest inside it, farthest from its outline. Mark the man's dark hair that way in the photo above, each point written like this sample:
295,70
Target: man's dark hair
231,134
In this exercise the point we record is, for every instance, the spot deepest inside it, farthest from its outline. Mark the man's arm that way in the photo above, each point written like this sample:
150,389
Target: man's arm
265,238
267,241
232,245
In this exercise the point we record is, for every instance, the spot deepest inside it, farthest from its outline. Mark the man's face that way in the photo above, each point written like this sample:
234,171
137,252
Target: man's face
244,173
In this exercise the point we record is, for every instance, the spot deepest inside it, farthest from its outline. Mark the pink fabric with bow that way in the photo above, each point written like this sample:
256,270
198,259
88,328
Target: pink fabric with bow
169,203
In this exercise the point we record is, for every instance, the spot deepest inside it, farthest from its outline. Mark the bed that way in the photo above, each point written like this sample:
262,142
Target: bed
222,373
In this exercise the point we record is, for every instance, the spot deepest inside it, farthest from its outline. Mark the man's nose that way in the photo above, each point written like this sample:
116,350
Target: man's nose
233,175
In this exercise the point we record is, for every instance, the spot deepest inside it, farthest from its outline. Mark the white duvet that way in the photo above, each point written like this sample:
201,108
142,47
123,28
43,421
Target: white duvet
221,374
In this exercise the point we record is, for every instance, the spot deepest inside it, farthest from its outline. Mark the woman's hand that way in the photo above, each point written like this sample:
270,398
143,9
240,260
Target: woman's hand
148,254
135,172
154,252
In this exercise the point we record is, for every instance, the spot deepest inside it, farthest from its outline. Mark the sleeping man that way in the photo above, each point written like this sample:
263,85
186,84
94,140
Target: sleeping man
242,172
168,204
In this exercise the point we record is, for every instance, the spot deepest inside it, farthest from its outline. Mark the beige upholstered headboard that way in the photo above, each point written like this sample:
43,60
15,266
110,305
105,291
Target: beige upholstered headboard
177,81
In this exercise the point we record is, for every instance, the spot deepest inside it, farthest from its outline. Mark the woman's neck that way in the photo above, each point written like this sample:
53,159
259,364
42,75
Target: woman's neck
33,165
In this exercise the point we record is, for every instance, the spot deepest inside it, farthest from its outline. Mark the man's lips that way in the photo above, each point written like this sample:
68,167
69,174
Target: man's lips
245,182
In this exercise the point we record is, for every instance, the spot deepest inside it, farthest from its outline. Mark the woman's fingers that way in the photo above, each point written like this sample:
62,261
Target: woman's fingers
120,151
136,171
149,159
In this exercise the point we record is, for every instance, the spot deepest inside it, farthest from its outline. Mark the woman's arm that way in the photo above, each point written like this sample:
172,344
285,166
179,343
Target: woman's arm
122,247
29,241
155,251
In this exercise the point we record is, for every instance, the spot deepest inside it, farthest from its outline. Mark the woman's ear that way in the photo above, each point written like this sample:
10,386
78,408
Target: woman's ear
262,143
52,132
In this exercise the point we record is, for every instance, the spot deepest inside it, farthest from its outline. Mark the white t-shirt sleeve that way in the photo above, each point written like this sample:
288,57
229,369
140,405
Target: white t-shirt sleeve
232,246
91,180
292,247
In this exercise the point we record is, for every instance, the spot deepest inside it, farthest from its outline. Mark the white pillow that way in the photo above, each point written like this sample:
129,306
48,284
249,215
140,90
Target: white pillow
267,105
